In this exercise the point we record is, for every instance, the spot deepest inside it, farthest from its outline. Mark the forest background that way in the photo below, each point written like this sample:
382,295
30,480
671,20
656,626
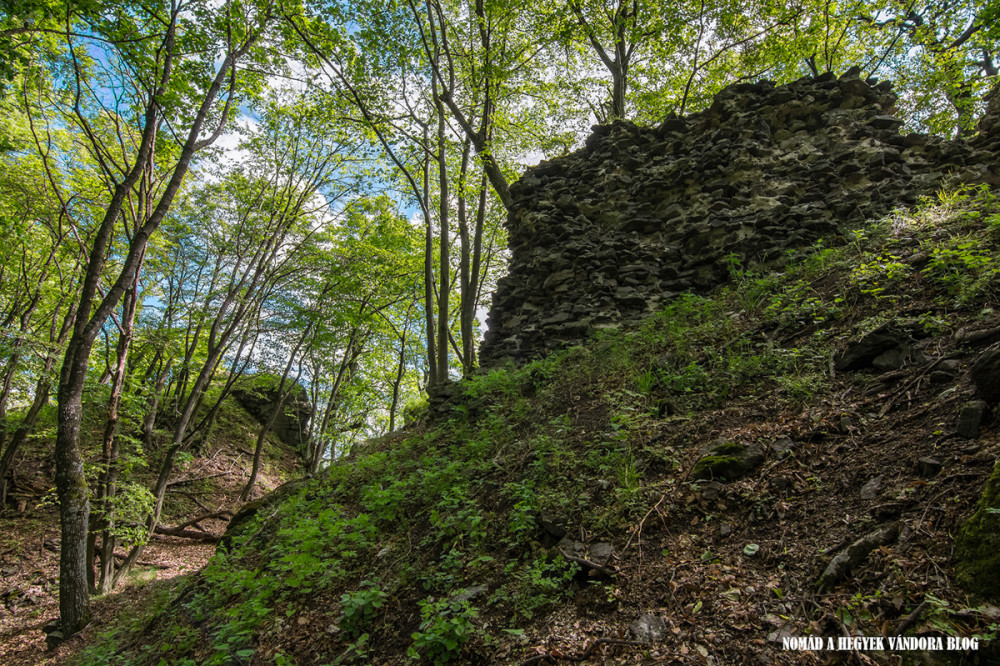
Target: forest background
197,193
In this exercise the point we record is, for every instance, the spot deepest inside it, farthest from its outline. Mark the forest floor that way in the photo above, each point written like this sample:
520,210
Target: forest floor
29,593
29,545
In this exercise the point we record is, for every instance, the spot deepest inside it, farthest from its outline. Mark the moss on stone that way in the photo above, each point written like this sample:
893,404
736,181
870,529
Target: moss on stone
715,466
727,460
977,545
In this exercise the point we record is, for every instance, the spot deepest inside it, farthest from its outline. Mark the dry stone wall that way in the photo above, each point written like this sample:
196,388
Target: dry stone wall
604,236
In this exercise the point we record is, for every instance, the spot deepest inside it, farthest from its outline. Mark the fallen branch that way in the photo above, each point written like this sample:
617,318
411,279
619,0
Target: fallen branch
911,618
972,337
892,400
152,565
205,516
187,534
587,564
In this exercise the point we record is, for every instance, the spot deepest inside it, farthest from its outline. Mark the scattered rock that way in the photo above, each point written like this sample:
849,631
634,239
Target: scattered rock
928,466
781,447
870,489
727,460
710,491
725,529
649,628
949,365
781,483
553,525
601,552
884,347
941,376
846,560
594,559
892,359
971,417
53,635
986,375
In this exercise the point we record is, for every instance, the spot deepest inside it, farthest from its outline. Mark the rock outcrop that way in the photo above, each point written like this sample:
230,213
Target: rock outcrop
603,236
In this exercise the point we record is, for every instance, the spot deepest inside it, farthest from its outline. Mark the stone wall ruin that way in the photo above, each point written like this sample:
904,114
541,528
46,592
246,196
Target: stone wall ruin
604,236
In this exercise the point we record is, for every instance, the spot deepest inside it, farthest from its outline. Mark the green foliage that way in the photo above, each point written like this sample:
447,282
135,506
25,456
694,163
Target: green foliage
361,607
798,303
444,628
875,277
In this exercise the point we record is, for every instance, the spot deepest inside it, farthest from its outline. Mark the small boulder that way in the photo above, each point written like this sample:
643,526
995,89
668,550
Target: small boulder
986,375
648,628
727,460
553,525
971,417
863,353
53,639
928,466
870,489
846,560
891,359
710,491
781,448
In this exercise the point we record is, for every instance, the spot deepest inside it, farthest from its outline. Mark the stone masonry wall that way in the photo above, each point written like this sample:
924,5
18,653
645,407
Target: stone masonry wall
602,237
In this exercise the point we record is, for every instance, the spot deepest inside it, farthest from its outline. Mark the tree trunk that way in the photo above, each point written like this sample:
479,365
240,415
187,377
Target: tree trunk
71,487
108,485
400,370
444,264
432,367
282,397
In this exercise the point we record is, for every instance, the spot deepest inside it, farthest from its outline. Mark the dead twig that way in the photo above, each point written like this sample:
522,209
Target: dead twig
911,618
906,389
587,564
187,534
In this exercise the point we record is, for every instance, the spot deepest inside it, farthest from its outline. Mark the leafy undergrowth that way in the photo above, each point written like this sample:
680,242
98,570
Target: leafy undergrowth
436,543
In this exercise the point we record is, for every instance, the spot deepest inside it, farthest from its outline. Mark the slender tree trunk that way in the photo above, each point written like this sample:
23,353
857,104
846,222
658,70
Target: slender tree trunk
108,484
278,408
71,487
429,309
152,407
351,353
444,264
400,371
466,298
